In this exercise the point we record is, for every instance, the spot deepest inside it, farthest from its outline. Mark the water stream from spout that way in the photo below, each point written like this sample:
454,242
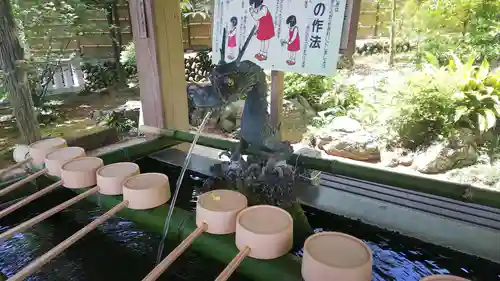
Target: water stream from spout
178,186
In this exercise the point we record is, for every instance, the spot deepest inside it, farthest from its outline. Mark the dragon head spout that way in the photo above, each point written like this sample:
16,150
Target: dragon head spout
230,80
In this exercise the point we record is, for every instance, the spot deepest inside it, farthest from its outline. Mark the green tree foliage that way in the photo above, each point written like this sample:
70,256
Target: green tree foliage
463,27
193,8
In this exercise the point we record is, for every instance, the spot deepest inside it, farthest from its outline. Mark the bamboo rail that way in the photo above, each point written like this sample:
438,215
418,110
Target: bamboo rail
363,171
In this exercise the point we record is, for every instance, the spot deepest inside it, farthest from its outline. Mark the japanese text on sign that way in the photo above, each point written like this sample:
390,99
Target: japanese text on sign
294,36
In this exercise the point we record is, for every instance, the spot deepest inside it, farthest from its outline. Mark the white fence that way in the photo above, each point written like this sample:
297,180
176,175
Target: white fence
68,77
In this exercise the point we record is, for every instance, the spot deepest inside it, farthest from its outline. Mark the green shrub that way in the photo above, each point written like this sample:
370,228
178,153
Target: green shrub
127,57
342,99
435,102
48,112
482,47
311,87
117,120
198,68
422,109
100,76
477,102
382,47
129,63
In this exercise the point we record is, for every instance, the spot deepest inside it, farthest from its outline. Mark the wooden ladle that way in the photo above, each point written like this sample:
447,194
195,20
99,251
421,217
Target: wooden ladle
55,161
37,152
332,256
140,192
262,232
108,179
216,213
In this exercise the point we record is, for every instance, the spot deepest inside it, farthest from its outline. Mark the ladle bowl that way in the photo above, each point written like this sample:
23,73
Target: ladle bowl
443,278
266,230
332,256
56,159
21,151
110,178
81,172
262,232
146,191
216,213
218,210
53,162
38,150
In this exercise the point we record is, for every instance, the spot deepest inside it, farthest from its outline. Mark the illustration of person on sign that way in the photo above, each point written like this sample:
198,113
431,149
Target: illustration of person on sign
231,41
265,26
293,42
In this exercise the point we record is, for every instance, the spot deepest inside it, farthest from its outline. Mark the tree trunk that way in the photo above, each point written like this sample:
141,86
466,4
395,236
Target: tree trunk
15,76
392,50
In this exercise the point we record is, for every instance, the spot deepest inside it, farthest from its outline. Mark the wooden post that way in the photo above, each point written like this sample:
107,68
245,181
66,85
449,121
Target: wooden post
377,18
157,32
353,30
277,87
392,50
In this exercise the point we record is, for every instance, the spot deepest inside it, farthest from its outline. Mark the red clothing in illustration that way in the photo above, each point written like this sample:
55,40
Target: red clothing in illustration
294,44
265,29
231,42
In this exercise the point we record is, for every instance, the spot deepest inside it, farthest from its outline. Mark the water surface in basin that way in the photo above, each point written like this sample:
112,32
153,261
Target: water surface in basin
120,250
395,257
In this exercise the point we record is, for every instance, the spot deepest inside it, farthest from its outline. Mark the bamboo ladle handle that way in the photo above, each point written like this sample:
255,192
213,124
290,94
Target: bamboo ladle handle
181,248
17,165
20,183
30,198
233,265
41,261
29,223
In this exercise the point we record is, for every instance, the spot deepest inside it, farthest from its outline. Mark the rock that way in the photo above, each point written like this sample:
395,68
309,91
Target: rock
405,160
442,157
483,159
345,124
239,105
227,125
344,137
310,152
308,110
311,177
129,110
396,157
460,151
483,175
230,117
229,112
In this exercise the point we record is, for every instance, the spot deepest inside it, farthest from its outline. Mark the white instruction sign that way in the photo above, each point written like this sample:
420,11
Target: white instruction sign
291,35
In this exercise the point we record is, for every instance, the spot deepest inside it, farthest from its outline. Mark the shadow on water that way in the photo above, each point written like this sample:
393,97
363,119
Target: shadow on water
120,250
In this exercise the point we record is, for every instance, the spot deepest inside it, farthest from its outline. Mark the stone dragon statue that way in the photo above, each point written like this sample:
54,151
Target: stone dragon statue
264,177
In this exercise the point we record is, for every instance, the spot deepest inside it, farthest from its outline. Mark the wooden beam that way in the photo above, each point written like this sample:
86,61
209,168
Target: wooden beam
157,32
170,59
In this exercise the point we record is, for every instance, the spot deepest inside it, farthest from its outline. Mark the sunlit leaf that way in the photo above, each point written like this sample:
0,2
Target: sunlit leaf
483,71
431,59
496,107
490,119
460,112
481,122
